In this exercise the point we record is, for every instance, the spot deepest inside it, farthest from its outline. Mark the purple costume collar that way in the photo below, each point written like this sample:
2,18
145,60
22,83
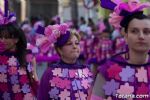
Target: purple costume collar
119,59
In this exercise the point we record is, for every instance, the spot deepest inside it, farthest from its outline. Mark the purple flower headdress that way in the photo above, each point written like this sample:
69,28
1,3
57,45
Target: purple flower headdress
6,17
56,35
122,10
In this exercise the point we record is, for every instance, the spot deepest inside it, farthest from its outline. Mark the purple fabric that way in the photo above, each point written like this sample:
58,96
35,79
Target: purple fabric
40,30
63,39
117,71
14,81
43,88
6,8
51,86
7,16
108,4
45,58
11,15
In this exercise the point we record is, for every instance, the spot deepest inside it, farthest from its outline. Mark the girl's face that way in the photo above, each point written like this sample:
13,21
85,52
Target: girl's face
138,35
71,50
7,42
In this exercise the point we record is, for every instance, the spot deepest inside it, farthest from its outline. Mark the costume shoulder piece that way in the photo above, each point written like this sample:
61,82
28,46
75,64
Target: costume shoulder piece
123,78
68,82
14,82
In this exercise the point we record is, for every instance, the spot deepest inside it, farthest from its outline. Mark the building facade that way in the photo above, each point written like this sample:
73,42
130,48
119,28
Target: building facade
67,9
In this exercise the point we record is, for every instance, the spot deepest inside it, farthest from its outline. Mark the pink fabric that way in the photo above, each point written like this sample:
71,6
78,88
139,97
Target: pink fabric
52,33
115,20
102,26
131,6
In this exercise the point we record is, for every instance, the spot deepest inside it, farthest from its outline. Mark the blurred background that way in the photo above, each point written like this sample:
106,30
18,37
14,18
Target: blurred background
66,9
99,40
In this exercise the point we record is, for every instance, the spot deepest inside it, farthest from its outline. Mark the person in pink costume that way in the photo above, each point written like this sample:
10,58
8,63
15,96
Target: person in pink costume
126,76
17,81
67,79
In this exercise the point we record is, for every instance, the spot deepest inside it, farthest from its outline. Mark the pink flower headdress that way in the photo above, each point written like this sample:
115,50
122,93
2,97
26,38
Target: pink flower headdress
122,9
6,17
51,35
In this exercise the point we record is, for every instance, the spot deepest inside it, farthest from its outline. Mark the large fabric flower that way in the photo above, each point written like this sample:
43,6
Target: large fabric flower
12,61
51,34
6,19
130,7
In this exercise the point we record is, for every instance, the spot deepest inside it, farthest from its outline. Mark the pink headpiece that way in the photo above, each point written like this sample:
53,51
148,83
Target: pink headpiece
123,9
51,35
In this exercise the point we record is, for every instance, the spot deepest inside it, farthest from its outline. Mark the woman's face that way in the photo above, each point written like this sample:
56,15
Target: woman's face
7,42
71,50
138,35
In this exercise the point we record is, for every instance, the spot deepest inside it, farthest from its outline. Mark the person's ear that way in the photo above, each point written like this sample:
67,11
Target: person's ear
59,51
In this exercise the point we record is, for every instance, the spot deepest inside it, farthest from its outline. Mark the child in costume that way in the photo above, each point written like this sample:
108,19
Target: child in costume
67,79
16,81
126,75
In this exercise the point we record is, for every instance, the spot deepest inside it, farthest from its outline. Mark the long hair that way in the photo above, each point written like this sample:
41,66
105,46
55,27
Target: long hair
14,31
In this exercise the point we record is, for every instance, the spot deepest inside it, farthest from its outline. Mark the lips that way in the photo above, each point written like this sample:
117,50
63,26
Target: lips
141,43
75,51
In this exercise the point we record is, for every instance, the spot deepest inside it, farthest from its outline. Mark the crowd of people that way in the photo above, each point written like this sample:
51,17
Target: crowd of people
106,60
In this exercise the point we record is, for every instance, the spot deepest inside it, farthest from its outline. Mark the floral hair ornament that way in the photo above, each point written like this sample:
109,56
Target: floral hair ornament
56,35
122,10
6,17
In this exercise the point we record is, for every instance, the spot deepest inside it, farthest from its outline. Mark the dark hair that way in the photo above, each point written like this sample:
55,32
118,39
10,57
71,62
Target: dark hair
15,31
127,19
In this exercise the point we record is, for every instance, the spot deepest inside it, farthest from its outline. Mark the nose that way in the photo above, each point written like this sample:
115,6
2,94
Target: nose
74,46
141,36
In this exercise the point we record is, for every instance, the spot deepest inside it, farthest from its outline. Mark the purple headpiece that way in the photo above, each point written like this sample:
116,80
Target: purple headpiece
122,10
56,35
6,17
62,40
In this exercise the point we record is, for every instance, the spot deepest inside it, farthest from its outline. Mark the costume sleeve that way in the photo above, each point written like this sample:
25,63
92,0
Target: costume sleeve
44,86
102,69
